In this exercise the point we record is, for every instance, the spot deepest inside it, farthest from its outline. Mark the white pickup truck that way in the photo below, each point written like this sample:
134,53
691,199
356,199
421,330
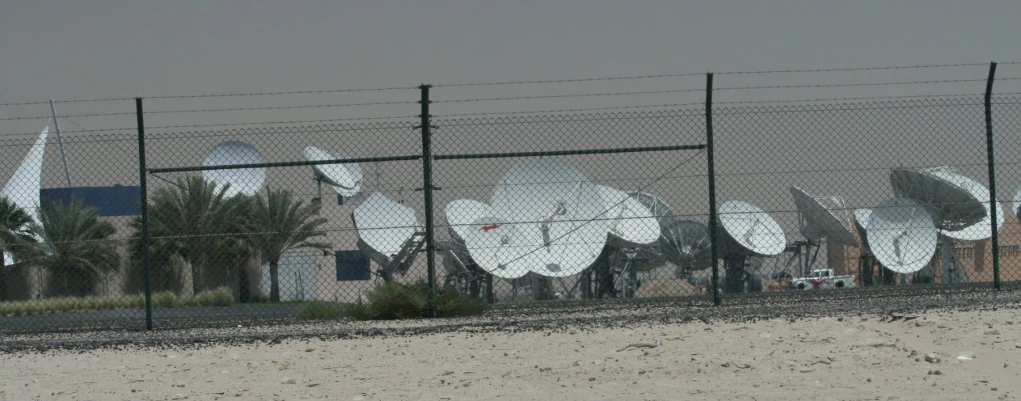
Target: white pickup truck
822,279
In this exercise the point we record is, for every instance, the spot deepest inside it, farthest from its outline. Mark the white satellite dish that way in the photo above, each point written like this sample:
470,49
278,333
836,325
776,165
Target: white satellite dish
747,231
686,244
630,222
824,217
385,225
901,235
346,179
23,187
949,197
246,181
752,229
983,229
495,245
559,216
462,213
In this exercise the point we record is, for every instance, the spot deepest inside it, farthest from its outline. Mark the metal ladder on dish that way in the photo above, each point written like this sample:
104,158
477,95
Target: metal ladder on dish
409,252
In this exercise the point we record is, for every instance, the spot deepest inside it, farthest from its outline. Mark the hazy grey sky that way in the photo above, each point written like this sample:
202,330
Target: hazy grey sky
85,49
100,49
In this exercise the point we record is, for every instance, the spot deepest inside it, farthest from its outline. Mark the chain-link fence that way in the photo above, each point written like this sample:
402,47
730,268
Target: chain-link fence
281,219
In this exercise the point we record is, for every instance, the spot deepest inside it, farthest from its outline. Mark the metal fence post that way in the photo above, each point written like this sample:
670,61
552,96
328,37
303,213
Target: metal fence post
427,190
713,231
993,204
143,207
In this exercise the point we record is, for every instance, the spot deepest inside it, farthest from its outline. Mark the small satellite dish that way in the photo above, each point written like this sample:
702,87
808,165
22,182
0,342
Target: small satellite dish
462,213
754,231
686,244
384,225
346,179
630,222
558,214
824,217
983,229
246,181
901,235
947,196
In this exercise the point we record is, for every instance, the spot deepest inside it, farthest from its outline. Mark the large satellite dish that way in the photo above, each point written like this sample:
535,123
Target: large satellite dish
751,229
949,197
959,207
23,187
983,229
385,225
901,235
345,179
462,213
630,222
686,244
824,217
246,181
496,246
747,231
559,217
389,233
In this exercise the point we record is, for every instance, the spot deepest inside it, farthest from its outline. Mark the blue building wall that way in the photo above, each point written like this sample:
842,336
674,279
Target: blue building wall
111,201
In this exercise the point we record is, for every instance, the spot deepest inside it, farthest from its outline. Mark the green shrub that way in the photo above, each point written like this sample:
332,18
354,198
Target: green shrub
398,301
165,299
218,297
319,310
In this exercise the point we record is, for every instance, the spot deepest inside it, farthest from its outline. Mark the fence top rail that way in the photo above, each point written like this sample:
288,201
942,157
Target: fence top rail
283,164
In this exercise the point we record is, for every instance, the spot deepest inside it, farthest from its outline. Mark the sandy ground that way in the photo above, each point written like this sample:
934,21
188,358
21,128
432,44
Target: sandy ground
856,358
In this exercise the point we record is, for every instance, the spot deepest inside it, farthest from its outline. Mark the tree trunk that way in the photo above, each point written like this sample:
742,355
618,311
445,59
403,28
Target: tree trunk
3,278
196,277
274,280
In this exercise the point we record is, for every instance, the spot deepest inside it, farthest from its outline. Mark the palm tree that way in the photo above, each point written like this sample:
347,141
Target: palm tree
15,239
191,218
281,223
164,263
75,247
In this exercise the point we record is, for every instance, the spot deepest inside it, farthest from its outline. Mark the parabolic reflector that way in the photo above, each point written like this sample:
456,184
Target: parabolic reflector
23,187
751,228
629,221
462,213
495,246
558,214
686,244
385,225
901,235
825,217
983,229
246,181
346,179
948,196
657,207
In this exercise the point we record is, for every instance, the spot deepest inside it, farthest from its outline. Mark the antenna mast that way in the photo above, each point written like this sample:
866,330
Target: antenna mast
60,142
